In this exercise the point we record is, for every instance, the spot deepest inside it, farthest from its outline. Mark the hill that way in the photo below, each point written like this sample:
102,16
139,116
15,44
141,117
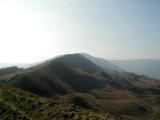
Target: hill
74,79
9,70
146,67
58,76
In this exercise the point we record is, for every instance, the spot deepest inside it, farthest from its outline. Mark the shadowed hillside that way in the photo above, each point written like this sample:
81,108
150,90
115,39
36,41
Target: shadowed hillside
58,76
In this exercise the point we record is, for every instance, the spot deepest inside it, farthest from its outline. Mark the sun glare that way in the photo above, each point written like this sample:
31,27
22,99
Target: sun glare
22,36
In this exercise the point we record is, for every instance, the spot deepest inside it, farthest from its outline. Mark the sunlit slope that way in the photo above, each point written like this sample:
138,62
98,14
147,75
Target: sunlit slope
20,105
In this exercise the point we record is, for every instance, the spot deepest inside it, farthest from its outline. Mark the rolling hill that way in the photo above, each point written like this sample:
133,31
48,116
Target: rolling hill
59,76
86,83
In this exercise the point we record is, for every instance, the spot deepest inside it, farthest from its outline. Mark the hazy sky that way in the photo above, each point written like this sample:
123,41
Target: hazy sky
33,30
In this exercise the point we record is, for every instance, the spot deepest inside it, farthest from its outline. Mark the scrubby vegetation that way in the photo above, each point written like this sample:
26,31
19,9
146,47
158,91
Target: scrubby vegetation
16,104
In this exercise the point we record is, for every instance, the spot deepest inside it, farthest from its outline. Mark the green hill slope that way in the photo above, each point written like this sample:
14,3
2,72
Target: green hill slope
20,105
53,78
77,80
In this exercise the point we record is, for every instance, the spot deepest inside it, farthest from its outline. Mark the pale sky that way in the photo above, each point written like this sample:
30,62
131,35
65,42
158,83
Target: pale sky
34,30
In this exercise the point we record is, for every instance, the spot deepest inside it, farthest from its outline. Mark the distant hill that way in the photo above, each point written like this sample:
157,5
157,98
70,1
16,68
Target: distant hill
84,82
10,70
5,65
150,68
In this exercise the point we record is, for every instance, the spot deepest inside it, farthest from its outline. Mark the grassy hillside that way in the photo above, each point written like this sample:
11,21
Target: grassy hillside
53,78
20,105
79,63
77,80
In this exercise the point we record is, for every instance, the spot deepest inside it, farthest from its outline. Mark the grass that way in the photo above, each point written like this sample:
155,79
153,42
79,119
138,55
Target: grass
20,105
